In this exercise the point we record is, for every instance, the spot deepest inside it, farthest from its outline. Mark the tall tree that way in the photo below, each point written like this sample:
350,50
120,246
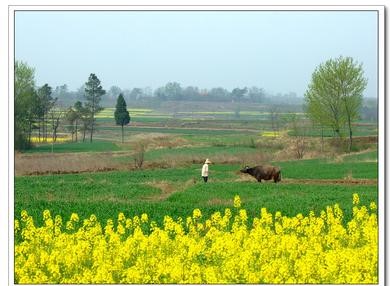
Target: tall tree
70,117
122,116
81,115
45,103
334,95
352,83
93,94
24,99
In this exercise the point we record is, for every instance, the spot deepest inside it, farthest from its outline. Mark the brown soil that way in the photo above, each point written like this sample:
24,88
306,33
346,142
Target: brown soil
346,181
167,189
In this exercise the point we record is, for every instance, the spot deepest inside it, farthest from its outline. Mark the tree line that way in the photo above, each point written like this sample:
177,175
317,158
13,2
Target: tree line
333,99
37,110
174,91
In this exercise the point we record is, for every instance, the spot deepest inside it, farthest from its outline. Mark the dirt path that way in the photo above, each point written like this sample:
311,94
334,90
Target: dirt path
352,182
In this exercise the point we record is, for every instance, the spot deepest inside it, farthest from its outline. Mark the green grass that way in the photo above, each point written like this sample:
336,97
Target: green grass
367,156
320,169
186,131
358,130
95,146
107,194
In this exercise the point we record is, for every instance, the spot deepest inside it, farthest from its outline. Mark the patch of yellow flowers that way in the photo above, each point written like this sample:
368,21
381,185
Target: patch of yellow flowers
223,248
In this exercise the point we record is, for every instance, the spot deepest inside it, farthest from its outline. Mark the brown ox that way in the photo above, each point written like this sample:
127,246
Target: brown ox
265,172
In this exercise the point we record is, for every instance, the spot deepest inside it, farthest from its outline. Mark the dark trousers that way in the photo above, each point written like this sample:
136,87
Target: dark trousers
205,179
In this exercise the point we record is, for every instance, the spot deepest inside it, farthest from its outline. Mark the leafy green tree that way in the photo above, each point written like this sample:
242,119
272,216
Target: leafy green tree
239,93
334,95
81,115
352,83
45,102
93,94
121,114
25,104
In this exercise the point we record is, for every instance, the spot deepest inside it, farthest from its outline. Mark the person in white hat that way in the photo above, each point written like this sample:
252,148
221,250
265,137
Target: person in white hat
205,170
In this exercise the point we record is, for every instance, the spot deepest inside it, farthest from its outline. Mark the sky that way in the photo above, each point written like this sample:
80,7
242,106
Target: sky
275,50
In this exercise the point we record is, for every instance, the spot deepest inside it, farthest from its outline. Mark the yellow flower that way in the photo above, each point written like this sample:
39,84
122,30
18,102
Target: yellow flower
237,202
144,218
196,214
294,250
356,199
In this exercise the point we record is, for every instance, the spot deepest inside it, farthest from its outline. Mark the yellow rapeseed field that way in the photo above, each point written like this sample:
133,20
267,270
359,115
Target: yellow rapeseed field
35,139
223,248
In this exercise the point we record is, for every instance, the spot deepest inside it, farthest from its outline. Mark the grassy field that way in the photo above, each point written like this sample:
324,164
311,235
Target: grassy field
177,191
368,129
95,146
182,139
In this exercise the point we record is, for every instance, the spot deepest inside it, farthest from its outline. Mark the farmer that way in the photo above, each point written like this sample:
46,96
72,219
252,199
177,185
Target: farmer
205,170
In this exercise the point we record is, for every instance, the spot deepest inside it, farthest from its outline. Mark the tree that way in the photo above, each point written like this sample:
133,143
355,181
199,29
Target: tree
256,94
114,92
237,94
25,99
81,114
352,84
121,114
44,104
70,117
93,93
334,95
55,115
136,93
174,91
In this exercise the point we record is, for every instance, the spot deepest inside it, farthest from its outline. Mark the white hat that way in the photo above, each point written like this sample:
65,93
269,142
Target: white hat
207,161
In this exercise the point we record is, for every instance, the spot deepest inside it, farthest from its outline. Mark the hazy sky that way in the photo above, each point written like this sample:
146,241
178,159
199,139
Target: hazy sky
275,50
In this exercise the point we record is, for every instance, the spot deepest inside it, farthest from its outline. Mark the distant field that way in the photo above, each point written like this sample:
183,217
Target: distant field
95,146
363,157
200,131
207,151
358,130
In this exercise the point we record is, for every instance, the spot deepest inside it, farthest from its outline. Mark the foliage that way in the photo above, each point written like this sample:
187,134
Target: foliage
223,248
93,94
334,95
121,114
25,96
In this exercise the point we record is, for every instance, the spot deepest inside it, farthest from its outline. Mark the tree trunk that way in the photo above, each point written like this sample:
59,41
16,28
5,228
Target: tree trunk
44,128
29,132
90,139
85,128
76,130
350,135
39,129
